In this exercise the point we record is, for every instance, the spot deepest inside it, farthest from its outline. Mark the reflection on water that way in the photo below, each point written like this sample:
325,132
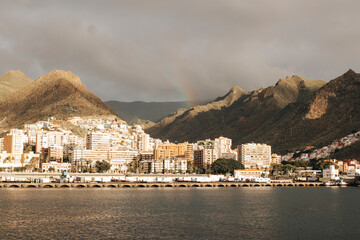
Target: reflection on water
202,213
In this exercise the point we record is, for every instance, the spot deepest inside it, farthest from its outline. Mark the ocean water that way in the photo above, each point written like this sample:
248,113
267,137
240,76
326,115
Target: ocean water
200,213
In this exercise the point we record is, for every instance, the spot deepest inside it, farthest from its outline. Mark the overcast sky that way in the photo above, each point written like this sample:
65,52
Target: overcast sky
179,50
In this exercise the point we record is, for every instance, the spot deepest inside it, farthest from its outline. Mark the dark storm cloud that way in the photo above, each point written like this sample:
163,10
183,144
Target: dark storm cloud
169,50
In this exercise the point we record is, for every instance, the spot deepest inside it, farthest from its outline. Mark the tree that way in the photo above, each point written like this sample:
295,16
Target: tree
324,165
223,166
22,159
102,166
35,162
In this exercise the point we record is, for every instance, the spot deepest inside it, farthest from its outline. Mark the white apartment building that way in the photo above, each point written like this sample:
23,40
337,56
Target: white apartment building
275,158
44,139
224,145
254,155
331,173
143,142
98,141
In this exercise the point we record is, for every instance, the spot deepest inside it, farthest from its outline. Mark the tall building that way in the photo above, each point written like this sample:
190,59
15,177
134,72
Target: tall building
224,144
56,153
14,142
254,155
221,144
44,139
98,141
143,142
203,158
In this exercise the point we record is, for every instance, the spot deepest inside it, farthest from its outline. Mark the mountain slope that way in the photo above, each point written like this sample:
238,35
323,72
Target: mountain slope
53,94
330,113
236,115
11,82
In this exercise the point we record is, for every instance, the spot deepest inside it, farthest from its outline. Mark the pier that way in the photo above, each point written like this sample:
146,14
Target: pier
156,185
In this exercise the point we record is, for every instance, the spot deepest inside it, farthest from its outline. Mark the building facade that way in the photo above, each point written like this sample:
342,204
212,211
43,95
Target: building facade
254,155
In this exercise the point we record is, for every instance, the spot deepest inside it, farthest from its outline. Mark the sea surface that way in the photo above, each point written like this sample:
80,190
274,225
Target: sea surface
200,213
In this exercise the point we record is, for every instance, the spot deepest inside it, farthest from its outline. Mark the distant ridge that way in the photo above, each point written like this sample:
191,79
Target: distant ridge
11,82
139,112
56,93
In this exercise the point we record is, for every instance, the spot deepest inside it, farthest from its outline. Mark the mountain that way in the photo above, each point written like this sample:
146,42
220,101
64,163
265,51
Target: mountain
57,93
11,82
330,113
238,115
137,112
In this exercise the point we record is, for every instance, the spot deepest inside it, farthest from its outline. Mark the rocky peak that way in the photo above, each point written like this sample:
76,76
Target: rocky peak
51,77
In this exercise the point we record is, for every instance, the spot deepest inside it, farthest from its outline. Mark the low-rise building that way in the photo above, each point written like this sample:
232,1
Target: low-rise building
248,174
331,173
54,166
178,165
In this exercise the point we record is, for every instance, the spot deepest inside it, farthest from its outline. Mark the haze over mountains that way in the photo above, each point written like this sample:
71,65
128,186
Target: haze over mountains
57,93
137,112
294,113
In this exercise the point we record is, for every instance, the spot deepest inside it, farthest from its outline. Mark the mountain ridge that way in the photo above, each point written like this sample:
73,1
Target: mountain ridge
57,93
244,115
12,81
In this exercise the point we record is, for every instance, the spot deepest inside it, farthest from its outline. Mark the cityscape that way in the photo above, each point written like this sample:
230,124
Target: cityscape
181,119
110,146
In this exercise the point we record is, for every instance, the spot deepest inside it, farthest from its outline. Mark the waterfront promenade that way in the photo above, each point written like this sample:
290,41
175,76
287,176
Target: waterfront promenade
156,185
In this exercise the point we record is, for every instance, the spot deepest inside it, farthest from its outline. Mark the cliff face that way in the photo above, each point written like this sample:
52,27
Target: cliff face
237,115
53,94
11,82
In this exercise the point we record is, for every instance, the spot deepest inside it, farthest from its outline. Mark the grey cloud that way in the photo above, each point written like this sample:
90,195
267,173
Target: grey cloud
159,50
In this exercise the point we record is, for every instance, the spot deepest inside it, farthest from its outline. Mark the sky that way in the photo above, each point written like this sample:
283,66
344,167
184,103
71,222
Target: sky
176,50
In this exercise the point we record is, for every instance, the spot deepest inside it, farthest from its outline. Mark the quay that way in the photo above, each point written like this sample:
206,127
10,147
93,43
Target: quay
156,185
